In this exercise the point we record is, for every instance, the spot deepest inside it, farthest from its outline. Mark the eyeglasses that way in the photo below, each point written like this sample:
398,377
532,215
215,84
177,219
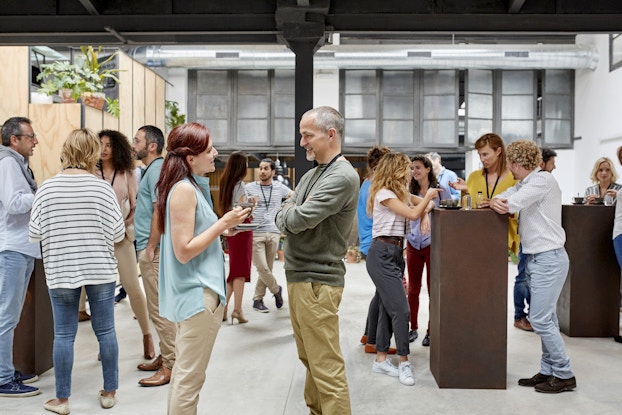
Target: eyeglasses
31,136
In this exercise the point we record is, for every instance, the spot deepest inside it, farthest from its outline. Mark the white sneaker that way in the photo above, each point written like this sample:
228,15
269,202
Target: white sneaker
406,374
385,367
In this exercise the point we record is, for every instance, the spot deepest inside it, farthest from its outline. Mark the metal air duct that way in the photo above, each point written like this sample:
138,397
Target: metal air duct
374,56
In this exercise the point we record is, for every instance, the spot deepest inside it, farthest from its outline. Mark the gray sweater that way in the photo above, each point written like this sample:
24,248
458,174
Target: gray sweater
317,229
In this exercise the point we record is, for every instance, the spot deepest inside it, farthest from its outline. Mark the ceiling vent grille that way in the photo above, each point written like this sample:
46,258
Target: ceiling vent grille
227,55
517,54
419,54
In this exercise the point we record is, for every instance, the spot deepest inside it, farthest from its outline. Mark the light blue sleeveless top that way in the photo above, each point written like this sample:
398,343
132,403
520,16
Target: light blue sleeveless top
181,285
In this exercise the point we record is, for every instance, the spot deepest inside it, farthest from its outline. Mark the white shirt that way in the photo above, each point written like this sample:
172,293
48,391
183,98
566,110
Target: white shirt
386,222
537,200
16,199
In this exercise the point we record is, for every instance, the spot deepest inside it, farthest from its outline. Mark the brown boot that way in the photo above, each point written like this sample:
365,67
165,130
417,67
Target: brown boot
161,377
83,316
154,365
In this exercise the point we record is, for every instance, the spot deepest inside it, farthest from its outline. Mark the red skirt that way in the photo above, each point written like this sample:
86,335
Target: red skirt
240,255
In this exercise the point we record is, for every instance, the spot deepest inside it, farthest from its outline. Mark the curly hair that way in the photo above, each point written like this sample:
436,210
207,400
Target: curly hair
427,163
81,150
524,152
122,156
392,173
614,173
494,141
374,155
235,171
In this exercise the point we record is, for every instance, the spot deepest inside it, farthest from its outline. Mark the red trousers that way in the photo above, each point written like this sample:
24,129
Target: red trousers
415,260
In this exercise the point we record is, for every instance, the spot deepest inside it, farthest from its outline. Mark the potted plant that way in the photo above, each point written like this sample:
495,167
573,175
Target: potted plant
353,255
94,76
62,77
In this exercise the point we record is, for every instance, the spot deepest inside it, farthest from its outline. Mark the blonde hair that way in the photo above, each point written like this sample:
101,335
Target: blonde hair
524,152
392,172
600,161
81,150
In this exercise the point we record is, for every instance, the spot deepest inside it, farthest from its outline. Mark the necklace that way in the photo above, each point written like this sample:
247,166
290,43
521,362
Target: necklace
114,175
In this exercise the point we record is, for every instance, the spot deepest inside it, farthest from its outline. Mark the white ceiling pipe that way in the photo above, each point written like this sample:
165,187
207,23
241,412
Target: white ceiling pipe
374,56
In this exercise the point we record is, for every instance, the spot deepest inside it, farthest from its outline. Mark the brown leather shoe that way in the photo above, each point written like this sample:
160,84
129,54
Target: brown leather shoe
151,366
371,348
534,380
523,324
83,316
556,385
161,377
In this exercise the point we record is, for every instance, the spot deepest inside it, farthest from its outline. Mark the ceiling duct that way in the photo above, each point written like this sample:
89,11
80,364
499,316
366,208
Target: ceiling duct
374,56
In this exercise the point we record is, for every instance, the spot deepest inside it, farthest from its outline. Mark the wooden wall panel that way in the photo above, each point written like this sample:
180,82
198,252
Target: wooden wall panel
138,96
160,98
150,97
93,119
14,82
52,123
126,66
111,122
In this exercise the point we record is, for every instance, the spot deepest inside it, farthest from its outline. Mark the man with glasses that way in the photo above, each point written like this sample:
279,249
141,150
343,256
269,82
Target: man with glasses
17,254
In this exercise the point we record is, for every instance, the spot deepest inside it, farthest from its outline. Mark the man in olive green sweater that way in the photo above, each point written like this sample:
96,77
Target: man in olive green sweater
317,220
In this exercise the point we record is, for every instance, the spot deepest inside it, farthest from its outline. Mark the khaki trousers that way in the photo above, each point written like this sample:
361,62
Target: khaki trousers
126,262
313,310
166,329
195,341
264,251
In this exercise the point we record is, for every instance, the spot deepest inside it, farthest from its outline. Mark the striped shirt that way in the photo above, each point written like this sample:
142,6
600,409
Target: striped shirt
77,219
538,201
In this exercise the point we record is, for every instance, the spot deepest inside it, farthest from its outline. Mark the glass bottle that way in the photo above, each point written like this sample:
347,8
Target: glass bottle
466,202
479,199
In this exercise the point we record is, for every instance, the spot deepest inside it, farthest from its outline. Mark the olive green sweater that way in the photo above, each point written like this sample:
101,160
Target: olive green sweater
317,228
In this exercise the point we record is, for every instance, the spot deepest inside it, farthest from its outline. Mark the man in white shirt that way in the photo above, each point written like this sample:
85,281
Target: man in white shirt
268,195
17,254
537,200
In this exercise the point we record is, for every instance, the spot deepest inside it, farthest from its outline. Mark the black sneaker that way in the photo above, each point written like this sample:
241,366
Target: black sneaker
119,297
556,385
258,305
16,389
426,340
534,380
278,298
412,336
25,378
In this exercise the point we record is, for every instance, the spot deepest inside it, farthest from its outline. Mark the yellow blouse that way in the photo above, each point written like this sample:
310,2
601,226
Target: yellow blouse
476,182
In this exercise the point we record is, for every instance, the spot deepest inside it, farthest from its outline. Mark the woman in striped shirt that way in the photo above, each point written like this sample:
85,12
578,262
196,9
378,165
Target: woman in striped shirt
76,217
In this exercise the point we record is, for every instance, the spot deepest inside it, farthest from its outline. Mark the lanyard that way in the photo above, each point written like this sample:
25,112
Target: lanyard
114,175
267,202
488,196
145,171
318,177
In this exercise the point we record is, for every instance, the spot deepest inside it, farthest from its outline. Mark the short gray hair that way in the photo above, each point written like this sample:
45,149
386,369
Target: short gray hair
434,156
327,118
13,126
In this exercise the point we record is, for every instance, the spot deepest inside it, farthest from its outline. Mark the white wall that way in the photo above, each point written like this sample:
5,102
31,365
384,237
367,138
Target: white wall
177,87
598,119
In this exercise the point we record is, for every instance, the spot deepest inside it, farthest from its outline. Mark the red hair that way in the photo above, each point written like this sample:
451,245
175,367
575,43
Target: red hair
185,140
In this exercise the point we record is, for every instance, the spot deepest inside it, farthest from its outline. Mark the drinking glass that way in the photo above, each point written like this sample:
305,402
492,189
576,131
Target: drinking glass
609,200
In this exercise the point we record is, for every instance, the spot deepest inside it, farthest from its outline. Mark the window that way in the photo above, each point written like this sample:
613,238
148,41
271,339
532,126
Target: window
518,105
615,51
557,108
252,108
440,108
479,104
361,107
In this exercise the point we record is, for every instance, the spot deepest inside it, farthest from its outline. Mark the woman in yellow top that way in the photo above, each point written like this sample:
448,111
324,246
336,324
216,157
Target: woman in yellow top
492,179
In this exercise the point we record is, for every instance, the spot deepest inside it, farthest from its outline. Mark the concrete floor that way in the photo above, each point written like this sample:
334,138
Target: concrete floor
254,369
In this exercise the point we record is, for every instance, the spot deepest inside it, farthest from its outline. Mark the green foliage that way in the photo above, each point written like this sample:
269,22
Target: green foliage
173,115
112,106
85,76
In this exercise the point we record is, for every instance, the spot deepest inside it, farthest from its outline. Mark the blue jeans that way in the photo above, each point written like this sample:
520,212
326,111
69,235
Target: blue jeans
546,273
65,304
15,271
521,288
